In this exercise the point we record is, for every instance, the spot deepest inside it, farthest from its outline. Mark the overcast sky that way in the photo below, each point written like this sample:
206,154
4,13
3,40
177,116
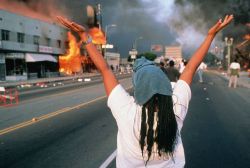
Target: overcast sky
165,22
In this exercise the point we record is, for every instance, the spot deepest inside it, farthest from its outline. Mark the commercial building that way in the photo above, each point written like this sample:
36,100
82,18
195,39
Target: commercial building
29,48
113,60
174,53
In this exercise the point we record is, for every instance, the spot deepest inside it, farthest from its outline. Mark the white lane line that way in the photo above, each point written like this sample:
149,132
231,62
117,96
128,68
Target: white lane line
109,160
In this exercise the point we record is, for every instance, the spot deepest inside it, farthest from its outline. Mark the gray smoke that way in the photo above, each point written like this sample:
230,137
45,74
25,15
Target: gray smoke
45,10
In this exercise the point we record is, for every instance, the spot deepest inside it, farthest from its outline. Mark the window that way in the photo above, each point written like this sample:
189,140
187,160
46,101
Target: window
66,44
5,35
59,43
20,37
48,41
36,40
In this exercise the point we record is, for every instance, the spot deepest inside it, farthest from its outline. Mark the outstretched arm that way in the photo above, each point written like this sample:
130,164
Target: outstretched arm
109,78
200,53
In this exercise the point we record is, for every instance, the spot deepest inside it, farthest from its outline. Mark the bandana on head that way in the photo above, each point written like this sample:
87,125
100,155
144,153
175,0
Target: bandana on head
148,79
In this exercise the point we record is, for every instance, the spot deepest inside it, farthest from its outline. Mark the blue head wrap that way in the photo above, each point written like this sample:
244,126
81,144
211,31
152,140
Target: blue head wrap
148,79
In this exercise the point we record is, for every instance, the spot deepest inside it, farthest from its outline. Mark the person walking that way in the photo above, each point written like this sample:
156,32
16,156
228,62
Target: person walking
149,123
200,70
234,73
162,66
182,66
172,72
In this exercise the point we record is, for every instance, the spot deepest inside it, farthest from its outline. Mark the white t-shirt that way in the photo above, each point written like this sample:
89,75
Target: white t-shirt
128,117
234,65
202,66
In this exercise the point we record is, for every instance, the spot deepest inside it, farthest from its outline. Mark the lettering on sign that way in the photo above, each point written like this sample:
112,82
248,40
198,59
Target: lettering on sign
45,49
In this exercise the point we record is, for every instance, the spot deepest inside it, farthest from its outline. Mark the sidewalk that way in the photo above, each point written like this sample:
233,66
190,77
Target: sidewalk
9,84
243,80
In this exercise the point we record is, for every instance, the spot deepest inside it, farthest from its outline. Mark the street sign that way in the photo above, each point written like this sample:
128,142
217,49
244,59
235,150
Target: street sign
108,46
133,52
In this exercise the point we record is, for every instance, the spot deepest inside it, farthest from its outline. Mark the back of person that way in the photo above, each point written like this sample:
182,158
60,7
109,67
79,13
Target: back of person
128,117
234,68
172,73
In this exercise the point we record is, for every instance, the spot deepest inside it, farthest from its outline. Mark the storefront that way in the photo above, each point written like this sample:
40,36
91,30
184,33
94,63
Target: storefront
23,66
15,67
41,65
2,67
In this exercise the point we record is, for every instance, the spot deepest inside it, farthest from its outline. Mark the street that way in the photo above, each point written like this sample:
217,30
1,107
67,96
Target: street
75,128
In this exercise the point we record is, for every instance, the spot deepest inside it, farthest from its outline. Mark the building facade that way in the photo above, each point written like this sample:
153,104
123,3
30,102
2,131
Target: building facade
174,53
113,60
29,48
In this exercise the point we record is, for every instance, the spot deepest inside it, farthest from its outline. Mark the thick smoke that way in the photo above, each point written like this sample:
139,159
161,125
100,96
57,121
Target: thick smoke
45,10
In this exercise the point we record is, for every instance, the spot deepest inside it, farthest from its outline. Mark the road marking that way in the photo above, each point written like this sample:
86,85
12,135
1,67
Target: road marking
57,94
109,159
49,115
61,94
46,116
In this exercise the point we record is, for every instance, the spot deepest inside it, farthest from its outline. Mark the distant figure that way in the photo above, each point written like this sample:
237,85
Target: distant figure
234,73
162,66
182,65
172,73
200,70
112,67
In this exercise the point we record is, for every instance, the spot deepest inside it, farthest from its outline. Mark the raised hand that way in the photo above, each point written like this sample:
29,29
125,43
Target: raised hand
109,78
220,25
74,27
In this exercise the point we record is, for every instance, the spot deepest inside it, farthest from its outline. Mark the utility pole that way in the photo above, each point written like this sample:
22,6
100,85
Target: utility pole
229,43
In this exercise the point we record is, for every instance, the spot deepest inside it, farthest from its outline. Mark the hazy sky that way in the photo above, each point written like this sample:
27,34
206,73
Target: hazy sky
166,22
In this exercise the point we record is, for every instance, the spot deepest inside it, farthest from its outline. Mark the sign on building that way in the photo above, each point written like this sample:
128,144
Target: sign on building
133,53
157,48
45,49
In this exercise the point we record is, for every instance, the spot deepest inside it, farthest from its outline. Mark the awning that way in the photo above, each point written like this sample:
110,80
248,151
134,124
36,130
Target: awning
39,57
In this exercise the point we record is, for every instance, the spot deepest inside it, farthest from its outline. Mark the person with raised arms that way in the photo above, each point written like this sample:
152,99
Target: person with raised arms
150,122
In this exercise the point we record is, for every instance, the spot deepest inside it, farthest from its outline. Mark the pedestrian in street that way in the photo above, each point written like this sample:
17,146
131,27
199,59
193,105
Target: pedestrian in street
162,66
200,71
182,66
172,73
149,123
234,73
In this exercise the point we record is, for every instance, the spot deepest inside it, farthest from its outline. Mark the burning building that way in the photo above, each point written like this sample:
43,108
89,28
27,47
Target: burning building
74,61
29,48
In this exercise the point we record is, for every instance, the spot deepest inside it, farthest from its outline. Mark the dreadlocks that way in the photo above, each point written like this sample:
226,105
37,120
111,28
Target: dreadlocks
165,134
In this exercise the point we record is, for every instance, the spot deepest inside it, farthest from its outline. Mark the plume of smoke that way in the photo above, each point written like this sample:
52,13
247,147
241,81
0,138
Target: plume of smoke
186,21
44,10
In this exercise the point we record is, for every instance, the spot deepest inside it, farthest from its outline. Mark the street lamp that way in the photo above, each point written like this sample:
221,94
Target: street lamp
106,34
135,42
229,43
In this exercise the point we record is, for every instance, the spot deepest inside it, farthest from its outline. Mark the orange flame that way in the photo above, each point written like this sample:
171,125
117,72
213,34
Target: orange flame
71,62
97,36
247,37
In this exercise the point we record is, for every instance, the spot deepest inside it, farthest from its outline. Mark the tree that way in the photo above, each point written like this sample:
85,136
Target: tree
148,55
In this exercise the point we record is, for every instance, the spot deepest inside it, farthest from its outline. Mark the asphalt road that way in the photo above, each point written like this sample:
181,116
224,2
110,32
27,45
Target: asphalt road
216,132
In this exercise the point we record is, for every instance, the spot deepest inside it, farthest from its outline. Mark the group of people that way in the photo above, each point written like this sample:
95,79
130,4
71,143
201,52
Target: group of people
149,122
174,74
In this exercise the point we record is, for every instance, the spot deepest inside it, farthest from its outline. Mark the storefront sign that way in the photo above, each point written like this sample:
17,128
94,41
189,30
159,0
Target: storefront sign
45,49
15,55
